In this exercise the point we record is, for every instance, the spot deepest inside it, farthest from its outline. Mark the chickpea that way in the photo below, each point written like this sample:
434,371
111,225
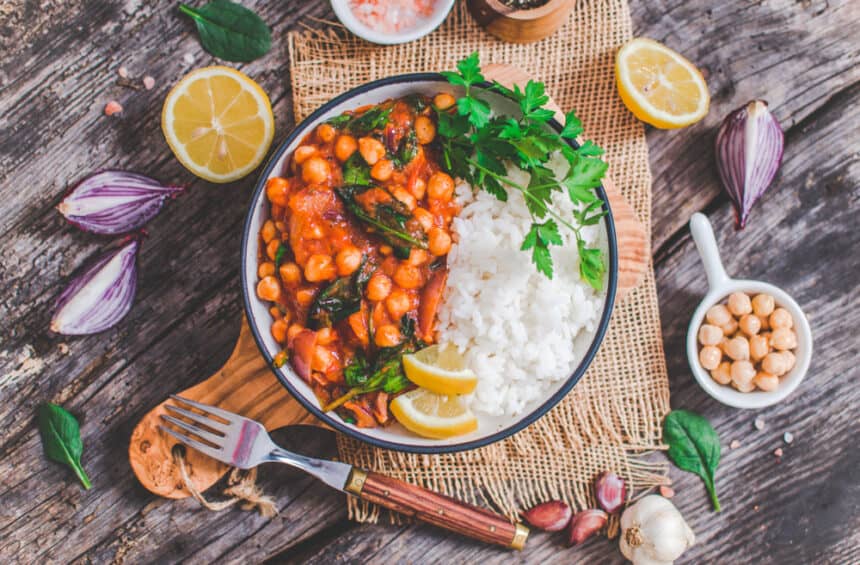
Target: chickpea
405,197
269,289
322,359
749,387
371,149
279,331
766,381
743,373
418,188
723,344
765,323
293,331
780,318
790,360
387,336
718,315
266,269
731,327
408,276
763,305
268,231
739,303
303,153
290,273
443,101
275,312
272,249
783,338
378,287
326,133
382,170
344,147
710,357
723,373
277,191
710,335
440,186
304,296
775,364
398,303
738,348
315,170
425,130
758,348
280,226
348,260
418,257
326,336
439,242
750,324
424,217
320,267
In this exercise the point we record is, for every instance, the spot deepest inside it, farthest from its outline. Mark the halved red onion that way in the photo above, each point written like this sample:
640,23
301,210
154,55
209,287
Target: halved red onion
115,202
101,295
749,151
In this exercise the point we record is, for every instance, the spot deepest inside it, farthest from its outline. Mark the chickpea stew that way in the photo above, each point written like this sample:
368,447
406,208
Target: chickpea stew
352,257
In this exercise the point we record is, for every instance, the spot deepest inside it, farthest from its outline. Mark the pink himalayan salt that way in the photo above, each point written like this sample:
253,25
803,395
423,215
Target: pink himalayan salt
148,82
391,16
113,107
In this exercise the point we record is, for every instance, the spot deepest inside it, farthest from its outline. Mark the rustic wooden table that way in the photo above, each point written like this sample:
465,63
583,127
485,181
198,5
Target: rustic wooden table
57,70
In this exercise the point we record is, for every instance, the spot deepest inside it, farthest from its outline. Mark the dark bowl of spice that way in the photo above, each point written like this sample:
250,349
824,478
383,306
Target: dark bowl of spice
520,21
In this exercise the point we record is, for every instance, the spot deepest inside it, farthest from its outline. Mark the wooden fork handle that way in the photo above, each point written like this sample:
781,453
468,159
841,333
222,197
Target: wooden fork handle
436,509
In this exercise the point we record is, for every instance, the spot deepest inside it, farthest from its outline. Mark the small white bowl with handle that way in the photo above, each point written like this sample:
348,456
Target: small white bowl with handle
720,286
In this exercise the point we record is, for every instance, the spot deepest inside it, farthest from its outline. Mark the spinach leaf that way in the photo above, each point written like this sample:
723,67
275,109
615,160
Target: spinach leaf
355,374
693,446
230,31
339,122
61,439
417,102
388,219
373,119
406,150
356,171
339,299
279,255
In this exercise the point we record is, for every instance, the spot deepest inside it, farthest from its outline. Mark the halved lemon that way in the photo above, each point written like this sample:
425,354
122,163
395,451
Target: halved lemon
219,123
440,369
660,86
433,415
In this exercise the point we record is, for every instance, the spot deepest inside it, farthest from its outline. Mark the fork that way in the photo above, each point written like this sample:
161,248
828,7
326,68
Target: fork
245,443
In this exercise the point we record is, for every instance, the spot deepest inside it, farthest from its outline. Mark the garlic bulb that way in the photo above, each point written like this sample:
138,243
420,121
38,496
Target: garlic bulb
653,532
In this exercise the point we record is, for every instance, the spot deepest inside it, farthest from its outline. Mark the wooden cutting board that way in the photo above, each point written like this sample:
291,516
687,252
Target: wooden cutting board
246,385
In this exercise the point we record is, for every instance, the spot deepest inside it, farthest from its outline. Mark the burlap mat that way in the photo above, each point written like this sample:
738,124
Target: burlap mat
614,414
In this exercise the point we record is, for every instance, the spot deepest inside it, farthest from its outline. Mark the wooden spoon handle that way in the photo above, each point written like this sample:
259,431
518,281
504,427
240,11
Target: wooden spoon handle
437,509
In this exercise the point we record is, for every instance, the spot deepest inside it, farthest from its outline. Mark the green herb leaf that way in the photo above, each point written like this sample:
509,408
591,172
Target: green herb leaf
230,31
373,119
591,265
356,171
476,110
279,255
572,126
693,446
355,374
339,122
389,219
61,439
470,69
538,239
406,150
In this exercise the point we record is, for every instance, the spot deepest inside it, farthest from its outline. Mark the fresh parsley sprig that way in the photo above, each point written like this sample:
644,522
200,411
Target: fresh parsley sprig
477,146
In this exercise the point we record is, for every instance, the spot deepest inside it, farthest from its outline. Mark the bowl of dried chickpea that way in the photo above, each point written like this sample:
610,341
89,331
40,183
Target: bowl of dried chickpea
749,344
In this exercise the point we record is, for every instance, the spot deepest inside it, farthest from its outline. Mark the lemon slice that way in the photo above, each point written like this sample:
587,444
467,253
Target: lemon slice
440,369
660,86
433,415
219,123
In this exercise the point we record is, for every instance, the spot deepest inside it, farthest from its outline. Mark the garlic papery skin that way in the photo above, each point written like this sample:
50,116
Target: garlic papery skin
749,150
653,532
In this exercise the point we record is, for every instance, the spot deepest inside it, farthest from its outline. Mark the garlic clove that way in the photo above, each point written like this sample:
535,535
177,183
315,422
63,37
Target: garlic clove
550,516
653,532
610,491
749,149
585,524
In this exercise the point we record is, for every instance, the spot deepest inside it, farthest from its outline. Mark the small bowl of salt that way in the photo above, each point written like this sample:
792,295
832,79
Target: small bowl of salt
388,22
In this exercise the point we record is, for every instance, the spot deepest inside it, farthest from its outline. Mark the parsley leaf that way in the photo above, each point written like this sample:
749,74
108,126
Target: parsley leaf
572,126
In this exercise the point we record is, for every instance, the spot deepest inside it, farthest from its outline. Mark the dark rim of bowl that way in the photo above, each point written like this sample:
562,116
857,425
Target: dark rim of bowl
336,423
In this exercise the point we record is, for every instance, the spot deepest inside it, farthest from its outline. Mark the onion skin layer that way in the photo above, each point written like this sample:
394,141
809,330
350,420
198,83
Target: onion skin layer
115,202
749,149
101,295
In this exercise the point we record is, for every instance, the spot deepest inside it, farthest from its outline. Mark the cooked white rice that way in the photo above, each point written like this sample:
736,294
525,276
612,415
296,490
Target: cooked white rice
515,327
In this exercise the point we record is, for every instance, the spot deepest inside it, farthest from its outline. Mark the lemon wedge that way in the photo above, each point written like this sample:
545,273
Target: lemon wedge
218,123
660,86
440,369
433,415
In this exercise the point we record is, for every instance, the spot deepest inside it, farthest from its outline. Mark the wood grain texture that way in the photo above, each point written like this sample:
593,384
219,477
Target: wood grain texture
520,26
58,64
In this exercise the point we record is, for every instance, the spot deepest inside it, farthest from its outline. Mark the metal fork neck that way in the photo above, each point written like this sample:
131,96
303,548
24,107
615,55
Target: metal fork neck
332,473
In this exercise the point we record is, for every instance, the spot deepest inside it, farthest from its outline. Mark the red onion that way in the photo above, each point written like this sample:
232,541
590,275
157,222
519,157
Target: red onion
115,202
749,151
101,295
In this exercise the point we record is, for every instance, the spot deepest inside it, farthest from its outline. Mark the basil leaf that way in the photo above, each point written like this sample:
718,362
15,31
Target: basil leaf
230,31
693,446
61,439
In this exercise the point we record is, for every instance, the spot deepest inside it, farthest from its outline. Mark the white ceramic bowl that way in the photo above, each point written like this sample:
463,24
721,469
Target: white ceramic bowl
422,27
490,428
720,287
